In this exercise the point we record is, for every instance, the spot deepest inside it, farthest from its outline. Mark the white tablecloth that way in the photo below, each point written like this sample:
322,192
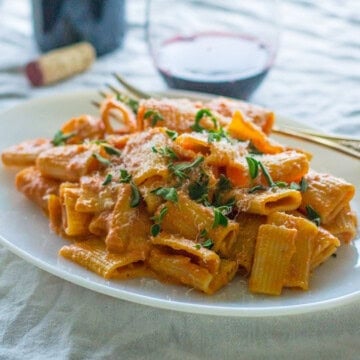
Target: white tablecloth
315,80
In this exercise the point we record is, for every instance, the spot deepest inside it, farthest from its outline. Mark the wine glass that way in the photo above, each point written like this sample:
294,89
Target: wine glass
222,47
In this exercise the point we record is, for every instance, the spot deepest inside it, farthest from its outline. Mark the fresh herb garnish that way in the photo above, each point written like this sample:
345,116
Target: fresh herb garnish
101,159
60,138
219,216
171,134
165,151
217,135
312,215
302,186
167,193
198,117
135,195
208,244
107,180
125,177
281,184
181,170
266,174
154,116
198,190
256,188
223,185
111,150
253,165
156,228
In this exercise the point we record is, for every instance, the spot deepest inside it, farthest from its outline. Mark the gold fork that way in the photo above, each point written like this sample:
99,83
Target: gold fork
344,144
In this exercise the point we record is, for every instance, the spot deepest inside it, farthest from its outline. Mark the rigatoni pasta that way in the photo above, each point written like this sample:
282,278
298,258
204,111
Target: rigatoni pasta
192,193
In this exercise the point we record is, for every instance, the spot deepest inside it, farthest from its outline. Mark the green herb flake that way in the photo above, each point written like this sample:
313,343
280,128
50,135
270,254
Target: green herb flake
281,184
266,174
60,138
256,188
219,218
107,180
135,195
253,165
154,116
171,134
111,150
165,151
101,159
217,135
312,215
223,184
180,170
197,246
125,177
208,244
199,116
167,193
155,229
302,186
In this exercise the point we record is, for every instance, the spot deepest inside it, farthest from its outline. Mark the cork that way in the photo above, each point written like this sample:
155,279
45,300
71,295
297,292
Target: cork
60,64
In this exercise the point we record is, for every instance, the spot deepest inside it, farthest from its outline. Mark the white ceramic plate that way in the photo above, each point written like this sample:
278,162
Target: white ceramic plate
25,231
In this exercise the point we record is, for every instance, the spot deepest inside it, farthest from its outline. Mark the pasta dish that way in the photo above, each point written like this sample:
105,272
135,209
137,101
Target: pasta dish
187,192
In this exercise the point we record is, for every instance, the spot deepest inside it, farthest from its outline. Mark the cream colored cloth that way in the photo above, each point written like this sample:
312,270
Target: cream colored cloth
315,80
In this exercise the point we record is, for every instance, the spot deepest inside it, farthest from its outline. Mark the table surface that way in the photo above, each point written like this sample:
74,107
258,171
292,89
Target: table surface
315,80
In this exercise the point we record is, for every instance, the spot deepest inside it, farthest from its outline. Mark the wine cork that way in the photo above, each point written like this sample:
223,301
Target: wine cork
60,64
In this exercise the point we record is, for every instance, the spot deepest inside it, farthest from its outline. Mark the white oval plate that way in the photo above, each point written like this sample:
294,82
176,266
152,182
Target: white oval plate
24,230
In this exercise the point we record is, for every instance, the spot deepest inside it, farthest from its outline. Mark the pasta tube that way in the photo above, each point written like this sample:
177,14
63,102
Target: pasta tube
93,255
275,247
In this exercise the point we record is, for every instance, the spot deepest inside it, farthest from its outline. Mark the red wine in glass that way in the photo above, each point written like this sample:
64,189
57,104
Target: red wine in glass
219,63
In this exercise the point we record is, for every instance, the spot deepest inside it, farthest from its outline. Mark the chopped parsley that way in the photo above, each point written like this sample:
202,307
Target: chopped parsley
219,216
60,138
165,151
302,186
223,185
206,241
199,116
198,190
256,188
171,134
156,228
107,180
217,135
312,215
208,244
126,178
266,174
154,117
101,159
253,165
135,195
181,170
111,150
167,193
